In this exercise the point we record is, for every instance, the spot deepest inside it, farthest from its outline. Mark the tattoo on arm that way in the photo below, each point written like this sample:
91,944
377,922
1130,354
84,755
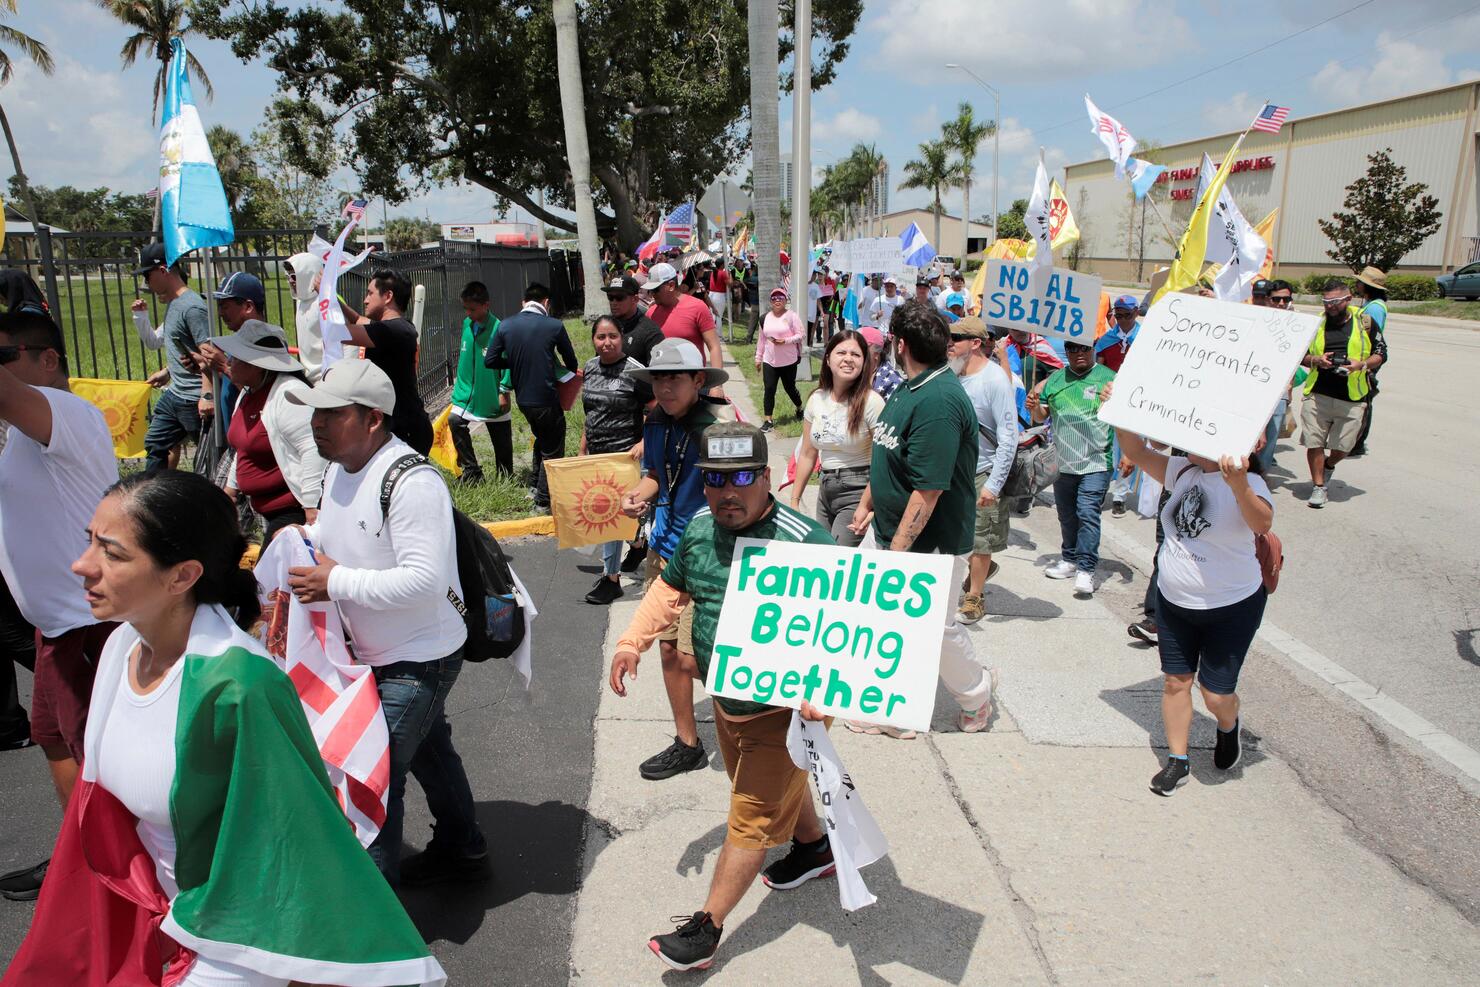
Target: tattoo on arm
916,515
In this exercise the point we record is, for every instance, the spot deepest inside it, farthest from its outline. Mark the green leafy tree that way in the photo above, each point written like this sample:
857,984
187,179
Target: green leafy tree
237,167
1387,217
156,23
934,171
1010,225
294,162
97,210
408,233
431,91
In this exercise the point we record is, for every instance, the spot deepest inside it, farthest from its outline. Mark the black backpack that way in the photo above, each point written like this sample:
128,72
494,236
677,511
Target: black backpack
490,607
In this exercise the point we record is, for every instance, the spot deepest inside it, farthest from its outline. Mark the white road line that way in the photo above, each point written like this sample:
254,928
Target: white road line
1463,757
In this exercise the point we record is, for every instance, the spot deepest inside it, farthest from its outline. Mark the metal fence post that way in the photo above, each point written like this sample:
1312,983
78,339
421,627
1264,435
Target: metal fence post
48,268
448,364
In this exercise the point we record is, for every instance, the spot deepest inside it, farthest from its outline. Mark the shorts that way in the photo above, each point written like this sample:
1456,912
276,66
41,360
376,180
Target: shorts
682,631
1330,423
766,786
1211,643
991,523
62,689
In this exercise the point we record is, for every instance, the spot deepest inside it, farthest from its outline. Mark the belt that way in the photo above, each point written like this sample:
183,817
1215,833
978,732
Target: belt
845,469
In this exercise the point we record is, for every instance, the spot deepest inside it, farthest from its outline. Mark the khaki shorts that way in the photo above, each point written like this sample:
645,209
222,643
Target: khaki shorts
991,523
1330,423
683,630
766,786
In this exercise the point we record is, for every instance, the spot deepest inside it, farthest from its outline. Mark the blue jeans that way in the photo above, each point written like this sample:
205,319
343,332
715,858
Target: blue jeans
412,694
174,419
1272,433
1078,499
611,557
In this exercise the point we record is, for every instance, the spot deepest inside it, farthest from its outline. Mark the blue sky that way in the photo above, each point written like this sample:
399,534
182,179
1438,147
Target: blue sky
89,124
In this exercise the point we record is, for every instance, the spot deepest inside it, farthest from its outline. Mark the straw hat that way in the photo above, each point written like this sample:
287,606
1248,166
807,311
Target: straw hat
1373,278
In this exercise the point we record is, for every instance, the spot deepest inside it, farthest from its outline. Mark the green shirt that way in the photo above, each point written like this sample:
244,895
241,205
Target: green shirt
1081,441
477,388
926,439
700,567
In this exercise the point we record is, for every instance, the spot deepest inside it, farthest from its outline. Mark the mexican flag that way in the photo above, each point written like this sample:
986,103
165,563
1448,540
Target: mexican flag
270,874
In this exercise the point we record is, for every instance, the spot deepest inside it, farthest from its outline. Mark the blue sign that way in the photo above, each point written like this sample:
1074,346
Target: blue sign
1049,301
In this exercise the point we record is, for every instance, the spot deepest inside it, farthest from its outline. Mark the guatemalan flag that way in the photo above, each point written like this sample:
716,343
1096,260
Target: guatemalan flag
916,249
1143,175
192,209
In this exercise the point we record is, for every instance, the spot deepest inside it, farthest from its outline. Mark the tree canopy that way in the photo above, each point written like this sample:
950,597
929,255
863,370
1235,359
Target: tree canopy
1387,218
437,90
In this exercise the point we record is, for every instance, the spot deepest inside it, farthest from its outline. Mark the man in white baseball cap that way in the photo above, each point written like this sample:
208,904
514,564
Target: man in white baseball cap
683,316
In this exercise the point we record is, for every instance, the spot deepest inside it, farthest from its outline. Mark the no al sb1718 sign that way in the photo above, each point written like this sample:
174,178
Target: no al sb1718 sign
1049,301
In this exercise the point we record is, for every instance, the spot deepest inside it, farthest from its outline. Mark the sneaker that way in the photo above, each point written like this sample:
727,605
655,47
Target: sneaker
1228,749
1084,583
24,884
975,721
971,610
635,557
1144,630
898,733
768,426
1171,777
691,946
1117,508
1061,569
604,592
674,759
436,865
799,866
1318,496
17,739
858,726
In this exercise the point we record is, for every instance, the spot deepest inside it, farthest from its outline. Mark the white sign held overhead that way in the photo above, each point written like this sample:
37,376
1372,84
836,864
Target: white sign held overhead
877,255
1049,301
841,258
1204,375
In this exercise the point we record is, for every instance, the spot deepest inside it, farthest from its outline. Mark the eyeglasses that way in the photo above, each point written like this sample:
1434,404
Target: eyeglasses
1341,300
740,478
10,354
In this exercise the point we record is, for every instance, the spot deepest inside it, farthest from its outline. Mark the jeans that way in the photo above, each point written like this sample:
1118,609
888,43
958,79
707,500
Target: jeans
548,426
611,557
1148,603
501,434
1272,433
174,419
838,493
412,695
1078,499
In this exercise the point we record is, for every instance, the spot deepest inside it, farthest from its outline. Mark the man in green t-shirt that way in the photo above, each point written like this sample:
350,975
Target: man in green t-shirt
769,799
480,394
922,490
1083,444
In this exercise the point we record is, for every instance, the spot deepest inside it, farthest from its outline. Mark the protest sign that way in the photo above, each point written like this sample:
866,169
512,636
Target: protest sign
854,632
841,258
1204,375
1049,301
877,255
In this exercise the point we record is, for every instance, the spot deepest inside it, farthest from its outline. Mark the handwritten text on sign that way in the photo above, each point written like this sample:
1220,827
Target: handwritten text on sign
854,632
1047,301
1204,375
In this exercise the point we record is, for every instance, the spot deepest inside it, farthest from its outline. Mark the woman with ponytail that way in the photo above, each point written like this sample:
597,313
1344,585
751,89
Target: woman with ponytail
215,853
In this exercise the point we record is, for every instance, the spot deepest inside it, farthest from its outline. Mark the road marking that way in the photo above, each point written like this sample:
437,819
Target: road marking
1463,757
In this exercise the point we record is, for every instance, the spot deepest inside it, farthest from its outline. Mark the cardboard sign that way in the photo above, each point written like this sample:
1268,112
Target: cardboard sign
1049,301
1204,375
854,632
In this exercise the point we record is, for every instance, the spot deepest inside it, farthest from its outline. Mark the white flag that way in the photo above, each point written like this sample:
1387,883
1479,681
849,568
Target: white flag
854,836
1038,222
1117,140
332,328
1232,242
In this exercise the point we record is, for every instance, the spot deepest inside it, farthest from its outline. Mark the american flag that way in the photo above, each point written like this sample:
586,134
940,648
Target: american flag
355,209
678,228
1271,118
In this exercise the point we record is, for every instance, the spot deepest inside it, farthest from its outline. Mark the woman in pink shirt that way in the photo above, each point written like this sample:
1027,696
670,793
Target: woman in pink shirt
778,353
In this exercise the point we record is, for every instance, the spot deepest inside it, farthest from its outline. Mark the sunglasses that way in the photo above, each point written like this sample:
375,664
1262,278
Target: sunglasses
10,354
957,337
1280,301
716,479
1337,301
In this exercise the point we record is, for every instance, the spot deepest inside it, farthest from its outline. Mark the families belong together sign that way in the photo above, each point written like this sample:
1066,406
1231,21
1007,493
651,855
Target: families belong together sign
854,632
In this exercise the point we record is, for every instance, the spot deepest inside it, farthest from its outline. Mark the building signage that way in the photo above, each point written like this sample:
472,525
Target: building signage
1189,174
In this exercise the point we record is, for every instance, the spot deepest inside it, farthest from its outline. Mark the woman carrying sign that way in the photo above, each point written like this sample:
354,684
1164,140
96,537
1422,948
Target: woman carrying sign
1210,590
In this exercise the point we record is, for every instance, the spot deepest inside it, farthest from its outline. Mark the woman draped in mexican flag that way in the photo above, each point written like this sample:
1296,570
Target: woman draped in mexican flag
202,845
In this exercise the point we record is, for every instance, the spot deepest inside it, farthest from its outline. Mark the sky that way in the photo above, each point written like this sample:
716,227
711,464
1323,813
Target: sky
1158,66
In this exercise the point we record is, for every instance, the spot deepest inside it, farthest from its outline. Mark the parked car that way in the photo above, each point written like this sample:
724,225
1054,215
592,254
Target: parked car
1463,283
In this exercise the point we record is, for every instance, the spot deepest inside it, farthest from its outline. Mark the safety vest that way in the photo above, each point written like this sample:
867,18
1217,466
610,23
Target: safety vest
1358,348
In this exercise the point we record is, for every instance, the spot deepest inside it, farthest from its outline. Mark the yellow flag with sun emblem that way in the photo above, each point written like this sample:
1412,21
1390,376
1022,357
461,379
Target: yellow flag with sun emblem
586,498
125,406
444,453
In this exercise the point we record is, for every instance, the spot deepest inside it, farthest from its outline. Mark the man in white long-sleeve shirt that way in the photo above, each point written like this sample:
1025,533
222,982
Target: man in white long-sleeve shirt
393,573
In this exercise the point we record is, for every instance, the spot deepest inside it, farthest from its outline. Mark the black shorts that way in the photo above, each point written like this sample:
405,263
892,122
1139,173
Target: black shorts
1209,643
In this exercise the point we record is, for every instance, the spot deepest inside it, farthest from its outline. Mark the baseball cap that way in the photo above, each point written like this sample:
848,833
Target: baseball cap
660,274
732,446
971,326
922,281
622,285
955,298
778,290
1129,301
873,335
1263,286
243,287
260,344
677,356
150,257
891,279
350,382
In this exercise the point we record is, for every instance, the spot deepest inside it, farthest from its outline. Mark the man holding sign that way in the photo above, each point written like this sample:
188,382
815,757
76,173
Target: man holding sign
769,801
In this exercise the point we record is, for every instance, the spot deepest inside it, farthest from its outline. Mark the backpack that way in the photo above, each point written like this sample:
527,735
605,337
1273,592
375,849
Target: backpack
1035,465
1268,548
490,605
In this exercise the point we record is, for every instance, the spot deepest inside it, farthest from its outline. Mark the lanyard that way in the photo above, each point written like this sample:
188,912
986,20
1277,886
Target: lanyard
671,474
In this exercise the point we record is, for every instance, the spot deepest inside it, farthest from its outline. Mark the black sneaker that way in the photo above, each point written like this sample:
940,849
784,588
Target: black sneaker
1228,749
635,556
768,426
1171,777
674,759
604,592
691,946
1144,630
436,865
17,739
1117,508
24,884
799,866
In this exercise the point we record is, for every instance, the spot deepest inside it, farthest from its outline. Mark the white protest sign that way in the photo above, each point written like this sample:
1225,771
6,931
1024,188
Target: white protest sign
841,258
854,632
877,255
1049,301
1204,375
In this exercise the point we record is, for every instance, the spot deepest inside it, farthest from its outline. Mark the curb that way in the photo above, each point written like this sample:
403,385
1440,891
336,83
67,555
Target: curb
521,527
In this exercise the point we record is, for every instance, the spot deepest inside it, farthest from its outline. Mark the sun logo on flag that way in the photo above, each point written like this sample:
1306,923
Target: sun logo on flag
598,504
119,414
1057,210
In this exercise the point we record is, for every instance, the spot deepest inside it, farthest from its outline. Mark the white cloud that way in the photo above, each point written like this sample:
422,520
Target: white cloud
848,125
1402,64
1233,113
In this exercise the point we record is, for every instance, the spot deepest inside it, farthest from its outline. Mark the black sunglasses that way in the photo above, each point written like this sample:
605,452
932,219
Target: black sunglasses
957,337
10,354
740,478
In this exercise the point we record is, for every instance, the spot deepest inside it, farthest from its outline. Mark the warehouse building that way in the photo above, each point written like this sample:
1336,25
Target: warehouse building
1303,171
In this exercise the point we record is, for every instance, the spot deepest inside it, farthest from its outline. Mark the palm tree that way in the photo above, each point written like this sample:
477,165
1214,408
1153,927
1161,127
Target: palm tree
765,137
37,53
578,150
964,134
156,23
235,163
933,170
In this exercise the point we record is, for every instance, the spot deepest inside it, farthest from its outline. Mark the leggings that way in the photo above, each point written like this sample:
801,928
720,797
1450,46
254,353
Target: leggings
788,378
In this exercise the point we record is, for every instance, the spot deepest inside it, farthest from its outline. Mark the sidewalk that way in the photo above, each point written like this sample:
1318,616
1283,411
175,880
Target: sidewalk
1030,854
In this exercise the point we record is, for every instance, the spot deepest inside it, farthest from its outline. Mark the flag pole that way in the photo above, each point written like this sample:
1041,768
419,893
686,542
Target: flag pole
218,427
1232,151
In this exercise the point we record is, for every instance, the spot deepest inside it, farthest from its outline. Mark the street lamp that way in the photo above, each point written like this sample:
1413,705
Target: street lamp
996,142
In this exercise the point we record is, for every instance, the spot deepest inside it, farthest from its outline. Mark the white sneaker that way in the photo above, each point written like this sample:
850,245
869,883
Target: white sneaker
1084,584
1318,495
1061,569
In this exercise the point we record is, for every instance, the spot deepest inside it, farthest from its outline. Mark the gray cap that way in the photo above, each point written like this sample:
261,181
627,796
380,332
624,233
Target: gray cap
260,344
350,382
732,446
676,356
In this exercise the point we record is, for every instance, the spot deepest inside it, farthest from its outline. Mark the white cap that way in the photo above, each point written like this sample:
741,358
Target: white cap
660,274
350,382
891,280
